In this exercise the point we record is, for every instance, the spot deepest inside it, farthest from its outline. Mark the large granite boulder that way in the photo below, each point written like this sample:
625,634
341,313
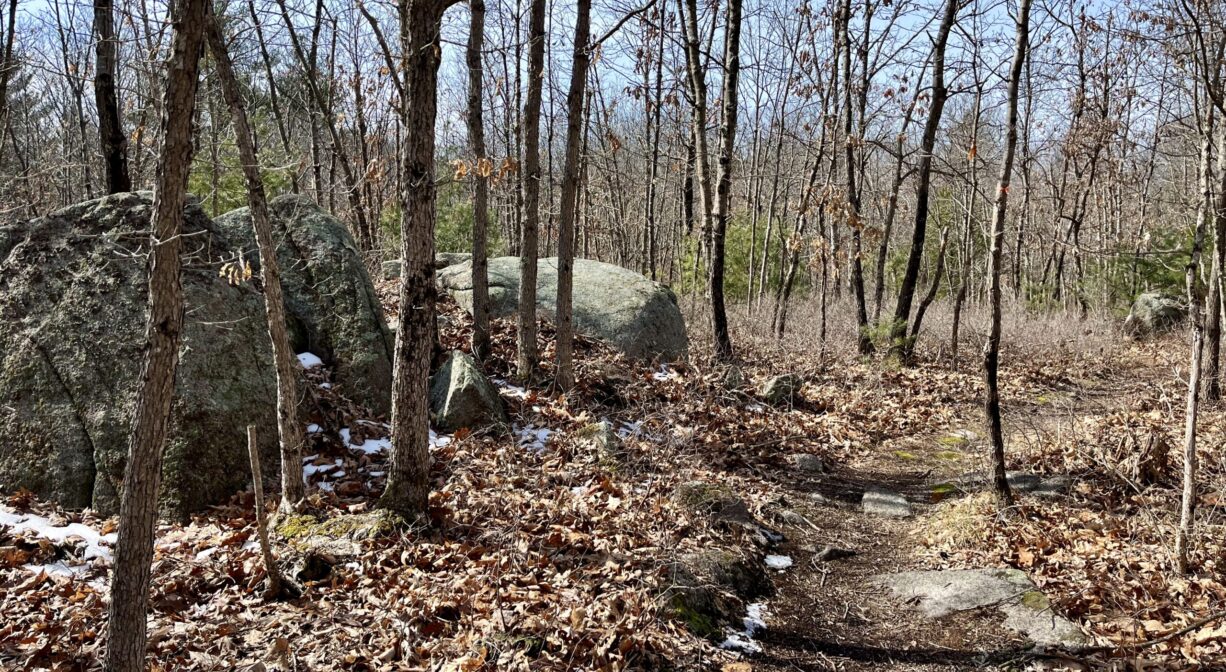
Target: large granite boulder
461,396
1153,313
329,297
637,316
73,292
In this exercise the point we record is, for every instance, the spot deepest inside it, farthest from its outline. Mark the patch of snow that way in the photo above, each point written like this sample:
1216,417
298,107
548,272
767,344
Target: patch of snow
326,386
778,561
314,428
376,474
629,429
756,408
754,622
532,438
309,470
509,389
97,545
369,446
309,360
665,373
438,441
204,555
326,486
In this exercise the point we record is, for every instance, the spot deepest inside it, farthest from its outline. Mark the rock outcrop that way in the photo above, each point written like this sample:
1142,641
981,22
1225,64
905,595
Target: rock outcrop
461,396
73,294
635,315
329,298
1154,313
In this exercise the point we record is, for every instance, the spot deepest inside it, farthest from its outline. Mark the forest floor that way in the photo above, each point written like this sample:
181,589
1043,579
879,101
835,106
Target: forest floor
541,554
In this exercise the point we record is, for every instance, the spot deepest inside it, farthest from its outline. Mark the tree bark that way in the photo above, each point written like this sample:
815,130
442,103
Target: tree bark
570,191
408,485
289,428
142,476
527,355
723,207
476,141
110,127
991,349
900,347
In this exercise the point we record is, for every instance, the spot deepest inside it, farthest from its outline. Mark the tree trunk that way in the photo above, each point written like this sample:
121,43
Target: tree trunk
476,141
864,344
1187,509
408,484
527,353
289,428
138,505
723,208
991,349
110,128
570,191
899,345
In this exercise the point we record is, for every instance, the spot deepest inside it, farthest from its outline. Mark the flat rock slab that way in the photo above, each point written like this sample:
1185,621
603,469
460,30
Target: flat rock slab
883,502
939,593
1020,481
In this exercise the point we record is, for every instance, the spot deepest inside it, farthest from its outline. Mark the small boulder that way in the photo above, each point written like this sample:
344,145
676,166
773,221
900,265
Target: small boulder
603,439
1154,313
623,308
781,389
708,589
461,396
726,509
808,463
391,267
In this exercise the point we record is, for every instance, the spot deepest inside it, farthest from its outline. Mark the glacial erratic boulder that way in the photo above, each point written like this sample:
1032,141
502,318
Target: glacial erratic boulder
461,396
632,313
1154,313
73,293
330,300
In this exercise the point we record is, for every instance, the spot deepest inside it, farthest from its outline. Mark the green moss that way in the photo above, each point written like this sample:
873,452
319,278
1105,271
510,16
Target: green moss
699,623
949,455
1035,600
904,455
944,489
953,441
348,526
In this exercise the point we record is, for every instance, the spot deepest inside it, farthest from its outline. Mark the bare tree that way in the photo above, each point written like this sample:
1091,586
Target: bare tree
110,127
723,189
900,346
408,483
288,426
570,192
527,354
991,348
481,173
142,475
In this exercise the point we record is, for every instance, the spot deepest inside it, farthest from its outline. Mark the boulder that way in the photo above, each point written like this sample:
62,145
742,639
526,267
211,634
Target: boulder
73,293
461,396
633,314
391,268
603,439
1153,313
781,389
726,510
708,589
329,298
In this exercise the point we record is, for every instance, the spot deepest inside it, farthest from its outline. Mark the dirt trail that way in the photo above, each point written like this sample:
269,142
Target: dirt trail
828,615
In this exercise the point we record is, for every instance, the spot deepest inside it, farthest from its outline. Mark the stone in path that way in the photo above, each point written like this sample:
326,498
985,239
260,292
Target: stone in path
1021,481
881,502
939,593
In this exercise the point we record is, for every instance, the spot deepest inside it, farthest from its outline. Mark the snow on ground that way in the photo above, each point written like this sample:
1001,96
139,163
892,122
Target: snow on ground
97,545
779,562
665,373
309,360
532,438
754,622
509,389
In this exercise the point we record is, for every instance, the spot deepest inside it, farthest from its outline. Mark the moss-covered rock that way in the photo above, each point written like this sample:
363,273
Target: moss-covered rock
329,297
461,396
73,296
